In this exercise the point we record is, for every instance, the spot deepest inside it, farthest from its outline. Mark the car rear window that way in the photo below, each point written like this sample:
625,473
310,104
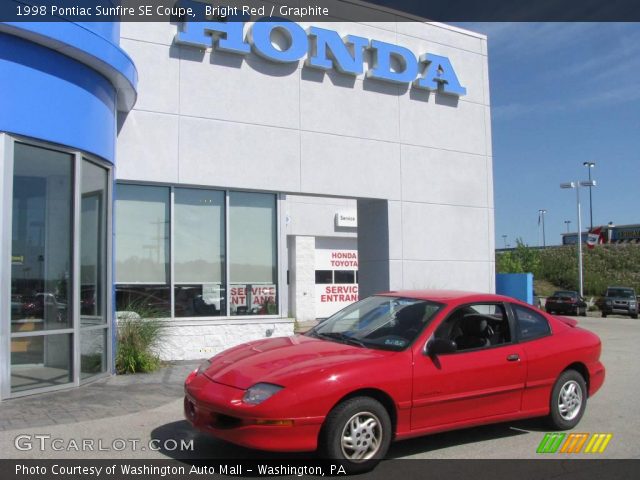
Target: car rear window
565,294
531,324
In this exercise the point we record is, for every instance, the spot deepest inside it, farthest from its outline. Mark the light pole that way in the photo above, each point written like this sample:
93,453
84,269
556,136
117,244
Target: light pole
567,223
504,239
541,213
589,166
577,185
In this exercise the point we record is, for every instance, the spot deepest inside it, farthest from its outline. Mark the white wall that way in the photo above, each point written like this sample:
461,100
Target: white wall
196,340
216,119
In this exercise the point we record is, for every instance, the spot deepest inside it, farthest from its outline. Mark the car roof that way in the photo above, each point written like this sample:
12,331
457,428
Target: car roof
446,296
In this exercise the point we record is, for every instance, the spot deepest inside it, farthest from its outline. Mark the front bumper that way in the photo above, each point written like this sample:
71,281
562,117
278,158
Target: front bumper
218,410
621,310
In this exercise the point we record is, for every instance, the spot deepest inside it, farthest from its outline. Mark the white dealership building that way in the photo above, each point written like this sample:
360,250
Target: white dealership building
262,173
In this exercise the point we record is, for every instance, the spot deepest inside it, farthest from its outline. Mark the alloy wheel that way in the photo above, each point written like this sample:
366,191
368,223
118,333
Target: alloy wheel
570,400
361,437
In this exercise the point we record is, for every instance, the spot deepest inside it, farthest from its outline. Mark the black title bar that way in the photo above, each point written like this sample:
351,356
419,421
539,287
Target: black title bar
322,10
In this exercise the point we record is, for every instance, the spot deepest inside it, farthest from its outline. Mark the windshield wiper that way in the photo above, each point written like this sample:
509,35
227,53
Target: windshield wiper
341,337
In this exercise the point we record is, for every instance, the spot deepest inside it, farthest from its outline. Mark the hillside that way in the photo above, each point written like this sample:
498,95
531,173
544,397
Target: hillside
558,266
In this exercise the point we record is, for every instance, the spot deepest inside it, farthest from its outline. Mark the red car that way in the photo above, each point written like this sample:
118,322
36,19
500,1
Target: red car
395,366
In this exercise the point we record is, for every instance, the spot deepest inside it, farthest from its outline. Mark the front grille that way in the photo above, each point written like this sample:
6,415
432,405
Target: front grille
224,421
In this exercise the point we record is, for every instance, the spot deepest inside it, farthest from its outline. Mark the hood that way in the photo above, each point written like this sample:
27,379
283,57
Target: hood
283,359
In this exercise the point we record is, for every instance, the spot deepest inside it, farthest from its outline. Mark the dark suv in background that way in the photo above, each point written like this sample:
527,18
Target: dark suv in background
620,300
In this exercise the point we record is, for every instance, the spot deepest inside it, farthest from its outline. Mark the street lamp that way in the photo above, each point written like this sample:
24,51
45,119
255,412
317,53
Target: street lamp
541,213
589,166
567,223
504,239
577,185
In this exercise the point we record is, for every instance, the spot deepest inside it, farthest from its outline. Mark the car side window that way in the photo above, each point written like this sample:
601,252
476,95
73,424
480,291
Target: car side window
531,324
476,326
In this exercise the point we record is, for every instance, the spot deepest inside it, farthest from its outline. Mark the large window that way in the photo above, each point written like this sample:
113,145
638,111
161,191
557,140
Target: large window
142,250
180,269
253,254
199,253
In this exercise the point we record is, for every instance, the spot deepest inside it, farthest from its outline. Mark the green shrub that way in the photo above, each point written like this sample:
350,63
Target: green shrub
138,335
522,259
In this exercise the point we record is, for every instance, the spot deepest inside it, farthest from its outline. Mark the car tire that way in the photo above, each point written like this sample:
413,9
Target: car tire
604,315
584,312
357,433
634,316
568,400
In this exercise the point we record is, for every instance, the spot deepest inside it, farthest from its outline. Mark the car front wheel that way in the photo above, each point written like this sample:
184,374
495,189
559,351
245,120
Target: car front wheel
356,432
568,400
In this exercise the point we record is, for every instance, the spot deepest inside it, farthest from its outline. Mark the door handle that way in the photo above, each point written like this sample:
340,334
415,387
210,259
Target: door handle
514,357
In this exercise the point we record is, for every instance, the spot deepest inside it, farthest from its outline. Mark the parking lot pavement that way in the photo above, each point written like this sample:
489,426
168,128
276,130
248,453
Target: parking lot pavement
155,413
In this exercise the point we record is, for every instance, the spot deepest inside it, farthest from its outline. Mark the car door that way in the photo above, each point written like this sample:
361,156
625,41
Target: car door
471,383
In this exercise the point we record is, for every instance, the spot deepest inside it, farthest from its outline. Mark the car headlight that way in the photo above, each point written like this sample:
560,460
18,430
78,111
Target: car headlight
608,302
260,392
203,366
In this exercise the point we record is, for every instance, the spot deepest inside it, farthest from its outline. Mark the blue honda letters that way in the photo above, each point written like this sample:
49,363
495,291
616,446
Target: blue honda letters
326,50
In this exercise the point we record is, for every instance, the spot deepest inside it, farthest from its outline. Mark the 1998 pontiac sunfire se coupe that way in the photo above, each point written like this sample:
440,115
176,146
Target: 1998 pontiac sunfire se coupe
395,366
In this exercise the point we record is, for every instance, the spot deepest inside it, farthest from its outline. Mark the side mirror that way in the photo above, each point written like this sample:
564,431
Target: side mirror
438,346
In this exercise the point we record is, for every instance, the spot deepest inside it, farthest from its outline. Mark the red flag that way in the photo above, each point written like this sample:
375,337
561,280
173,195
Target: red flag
593,237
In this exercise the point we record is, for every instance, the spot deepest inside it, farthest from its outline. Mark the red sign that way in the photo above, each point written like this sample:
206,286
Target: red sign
260,295
339,293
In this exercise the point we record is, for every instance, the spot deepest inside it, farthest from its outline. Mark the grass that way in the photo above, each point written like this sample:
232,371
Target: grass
139,335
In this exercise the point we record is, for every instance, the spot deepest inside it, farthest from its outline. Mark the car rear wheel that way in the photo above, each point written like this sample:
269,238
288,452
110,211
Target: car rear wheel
568,400
356,432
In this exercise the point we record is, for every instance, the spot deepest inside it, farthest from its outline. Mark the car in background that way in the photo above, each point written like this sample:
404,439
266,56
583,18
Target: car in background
621,301
45,306
394,366
566,302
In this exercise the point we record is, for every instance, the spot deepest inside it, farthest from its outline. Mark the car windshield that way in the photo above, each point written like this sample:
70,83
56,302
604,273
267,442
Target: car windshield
389,323
620,292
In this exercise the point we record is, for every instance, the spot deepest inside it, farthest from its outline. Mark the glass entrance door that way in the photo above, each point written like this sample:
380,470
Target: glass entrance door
59,328
41,268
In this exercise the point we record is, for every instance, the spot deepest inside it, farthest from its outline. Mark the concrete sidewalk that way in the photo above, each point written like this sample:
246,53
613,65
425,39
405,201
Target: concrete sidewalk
109,397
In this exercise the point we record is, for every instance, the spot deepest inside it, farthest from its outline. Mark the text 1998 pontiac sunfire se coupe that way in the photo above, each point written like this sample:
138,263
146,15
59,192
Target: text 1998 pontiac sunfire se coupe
395,366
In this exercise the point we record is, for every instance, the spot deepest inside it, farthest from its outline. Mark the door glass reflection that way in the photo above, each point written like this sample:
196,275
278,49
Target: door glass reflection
41,281
40,361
